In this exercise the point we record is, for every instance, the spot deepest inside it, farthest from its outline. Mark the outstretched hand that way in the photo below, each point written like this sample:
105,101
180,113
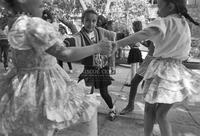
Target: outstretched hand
105,47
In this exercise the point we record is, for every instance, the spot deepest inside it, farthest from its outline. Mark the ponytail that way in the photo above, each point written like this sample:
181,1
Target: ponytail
183,11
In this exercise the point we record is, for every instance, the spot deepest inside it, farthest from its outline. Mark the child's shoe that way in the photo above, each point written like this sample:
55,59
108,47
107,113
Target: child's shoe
112,115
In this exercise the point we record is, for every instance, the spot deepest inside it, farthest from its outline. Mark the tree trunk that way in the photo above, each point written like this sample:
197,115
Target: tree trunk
107,7
82,2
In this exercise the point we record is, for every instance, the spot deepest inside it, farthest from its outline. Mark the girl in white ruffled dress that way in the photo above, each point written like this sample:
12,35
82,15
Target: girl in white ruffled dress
167,80
37,96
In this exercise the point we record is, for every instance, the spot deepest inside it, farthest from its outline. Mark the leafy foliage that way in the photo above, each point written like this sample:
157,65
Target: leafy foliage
98,5
3,17
124,12
63,7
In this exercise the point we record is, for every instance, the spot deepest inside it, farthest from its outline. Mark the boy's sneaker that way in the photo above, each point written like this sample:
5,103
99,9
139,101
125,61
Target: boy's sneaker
112,115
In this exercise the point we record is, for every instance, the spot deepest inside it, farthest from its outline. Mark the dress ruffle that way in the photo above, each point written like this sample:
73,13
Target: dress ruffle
143,67
47,97
169,81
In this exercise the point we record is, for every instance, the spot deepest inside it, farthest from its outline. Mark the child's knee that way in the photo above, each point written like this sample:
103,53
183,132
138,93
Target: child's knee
161,111
161,116
149,108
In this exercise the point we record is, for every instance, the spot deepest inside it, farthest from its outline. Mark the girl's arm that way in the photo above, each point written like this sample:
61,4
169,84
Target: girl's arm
140,36
71,54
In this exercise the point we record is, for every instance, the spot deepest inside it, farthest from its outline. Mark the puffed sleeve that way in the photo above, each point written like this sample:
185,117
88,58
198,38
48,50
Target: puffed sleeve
158,27
41,35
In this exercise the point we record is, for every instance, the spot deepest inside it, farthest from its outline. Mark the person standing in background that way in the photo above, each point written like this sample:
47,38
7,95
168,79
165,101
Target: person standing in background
64,35
135,56
138,78
96,71
4,47
49,17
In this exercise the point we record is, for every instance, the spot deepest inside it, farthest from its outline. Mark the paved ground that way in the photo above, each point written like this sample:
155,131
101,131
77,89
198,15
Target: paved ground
185,118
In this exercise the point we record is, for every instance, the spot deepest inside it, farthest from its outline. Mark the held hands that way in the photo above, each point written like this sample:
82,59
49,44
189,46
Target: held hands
104,47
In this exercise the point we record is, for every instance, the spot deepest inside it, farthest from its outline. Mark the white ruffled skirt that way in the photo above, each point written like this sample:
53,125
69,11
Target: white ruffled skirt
36,99
168,81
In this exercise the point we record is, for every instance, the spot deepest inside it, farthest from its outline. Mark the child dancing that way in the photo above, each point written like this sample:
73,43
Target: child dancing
138,77
37,96
96,67
134,56
167,80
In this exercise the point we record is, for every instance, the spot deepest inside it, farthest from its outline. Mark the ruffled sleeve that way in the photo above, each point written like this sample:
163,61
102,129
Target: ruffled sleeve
158,26
42,35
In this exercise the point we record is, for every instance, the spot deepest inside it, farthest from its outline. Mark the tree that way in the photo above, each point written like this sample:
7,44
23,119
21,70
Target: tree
64,7
124,12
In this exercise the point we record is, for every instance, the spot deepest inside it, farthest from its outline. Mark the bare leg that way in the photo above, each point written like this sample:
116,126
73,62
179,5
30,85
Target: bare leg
149,118
129,77
161,117
133,91
133,70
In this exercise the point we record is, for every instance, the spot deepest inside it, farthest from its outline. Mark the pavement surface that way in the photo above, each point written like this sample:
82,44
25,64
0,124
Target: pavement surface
184,117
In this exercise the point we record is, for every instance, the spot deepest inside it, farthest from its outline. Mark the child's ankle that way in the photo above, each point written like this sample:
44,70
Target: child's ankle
113,109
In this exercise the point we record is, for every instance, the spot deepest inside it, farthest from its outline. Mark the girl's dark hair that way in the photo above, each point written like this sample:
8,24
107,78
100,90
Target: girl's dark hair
88,11
101,21
182,9
47,14
137,26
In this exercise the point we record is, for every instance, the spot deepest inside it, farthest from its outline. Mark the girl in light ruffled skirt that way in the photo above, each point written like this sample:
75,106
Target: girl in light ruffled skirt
167,80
